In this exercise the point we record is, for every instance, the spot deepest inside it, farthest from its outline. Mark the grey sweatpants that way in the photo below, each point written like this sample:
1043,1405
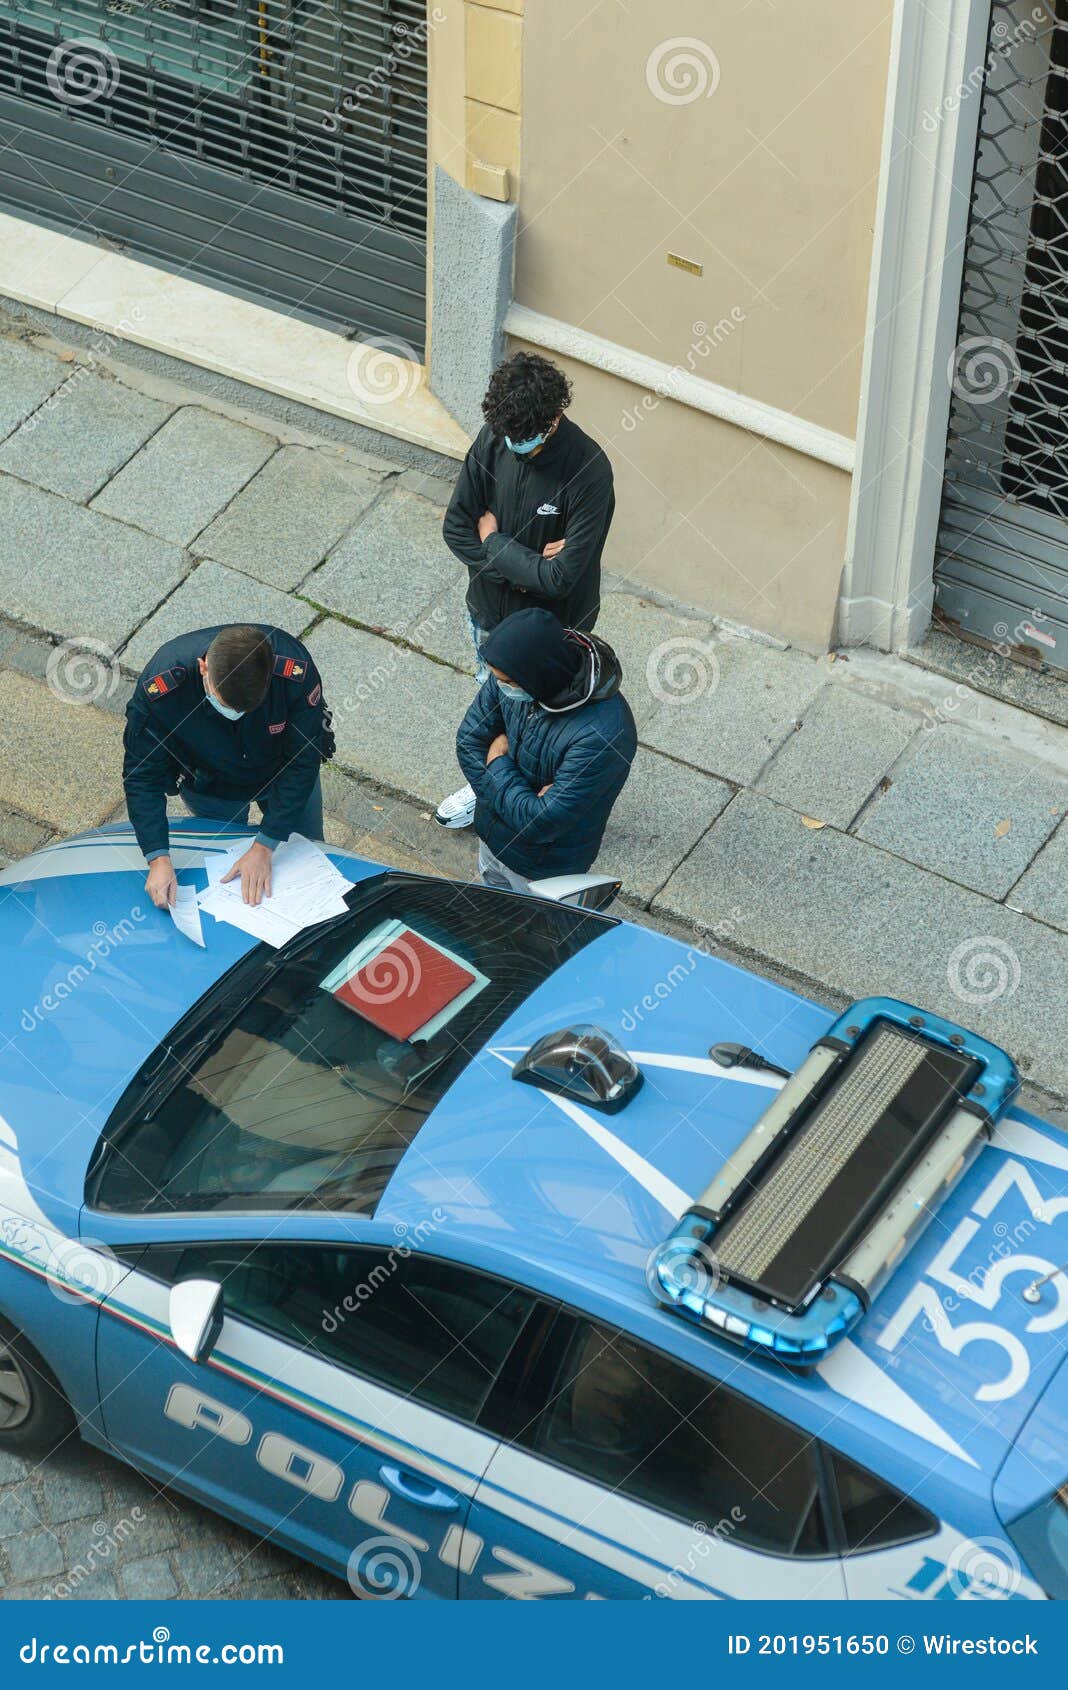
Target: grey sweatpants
496,873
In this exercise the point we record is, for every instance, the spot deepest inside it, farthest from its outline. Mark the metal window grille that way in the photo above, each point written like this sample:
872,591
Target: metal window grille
1002,566
160,122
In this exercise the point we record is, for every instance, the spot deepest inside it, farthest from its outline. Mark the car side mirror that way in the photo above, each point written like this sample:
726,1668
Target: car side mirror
584,891
195,1313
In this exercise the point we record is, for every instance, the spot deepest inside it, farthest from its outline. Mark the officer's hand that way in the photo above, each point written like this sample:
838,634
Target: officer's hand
255,871
554,548
498,748
162,882
487,525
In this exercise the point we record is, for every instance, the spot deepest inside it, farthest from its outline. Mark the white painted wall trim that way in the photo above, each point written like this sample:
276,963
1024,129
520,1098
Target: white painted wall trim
672,381
932,120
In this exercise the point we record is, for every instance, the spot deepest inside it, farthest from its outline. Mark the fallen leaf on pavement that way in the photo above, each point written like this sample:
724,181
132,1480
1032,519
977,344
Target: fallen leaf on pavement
1002,828
810,821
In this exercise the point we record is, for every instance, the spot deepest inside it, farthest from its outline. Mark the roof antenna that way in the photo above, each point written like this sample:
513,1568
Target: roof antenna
1032,1293
740,1056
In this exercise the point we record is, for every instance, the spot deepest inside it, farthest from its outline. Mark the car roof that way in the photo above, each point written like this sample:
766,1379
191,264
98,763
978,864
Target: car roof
577,1200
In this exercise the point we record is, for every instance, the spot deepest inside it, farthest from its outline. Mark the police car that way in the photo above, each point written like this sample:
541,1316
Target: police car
477,1246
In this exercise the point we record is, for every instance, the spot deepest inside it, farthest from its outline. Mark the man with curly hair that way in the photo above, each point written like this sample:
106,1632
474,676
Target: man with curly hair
529,516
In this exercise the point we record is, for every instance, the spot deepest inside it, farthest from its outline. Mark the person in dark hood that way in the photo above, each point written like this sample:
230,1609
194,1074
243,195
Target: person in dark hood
529,515
547,746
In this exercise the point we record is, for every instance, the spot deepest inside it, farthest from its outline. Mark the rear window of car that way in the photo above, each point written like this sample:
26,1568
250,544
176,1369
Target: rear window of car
303,1079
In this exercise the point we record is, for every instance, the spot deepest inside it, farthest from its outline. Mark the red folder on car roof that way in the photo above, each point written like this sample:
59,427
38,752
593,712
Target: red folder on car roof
405,985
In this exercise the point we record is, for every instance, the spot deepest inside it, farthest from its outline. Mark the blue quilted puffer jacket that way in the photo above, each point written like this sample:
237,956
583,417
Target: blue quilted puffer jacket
580,744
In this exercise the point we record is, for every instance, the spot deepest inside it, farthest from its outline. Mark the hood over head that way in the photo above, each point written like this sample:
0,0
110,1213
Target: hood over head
561,668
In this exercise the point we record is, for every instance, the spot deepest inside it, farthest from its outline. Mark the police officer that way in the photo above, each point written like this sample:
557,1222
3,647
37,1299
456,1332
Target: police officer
225,716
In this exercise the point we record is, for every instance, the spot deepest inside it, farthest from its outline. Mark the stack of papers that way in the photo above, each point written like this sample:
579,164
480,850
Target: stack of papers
306,888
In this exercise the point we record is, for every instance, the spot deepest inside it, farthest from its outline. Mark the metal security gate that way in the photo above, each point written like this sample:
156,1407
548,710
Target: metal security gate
1002,566
275,146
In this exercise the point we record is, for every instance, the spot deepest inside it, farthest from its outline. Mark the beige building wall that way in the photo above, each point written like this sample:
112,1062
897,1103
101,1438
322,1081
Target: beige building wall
475,81
743,141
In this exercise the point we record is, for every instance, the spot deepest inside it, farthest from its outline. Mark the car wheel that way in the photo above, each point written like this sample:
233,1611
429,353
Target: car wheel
35,1416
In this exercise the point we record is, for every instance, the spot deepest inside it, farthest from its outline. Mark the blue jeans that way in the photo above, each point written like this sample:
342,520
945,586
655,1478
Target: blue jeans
309,822
478,635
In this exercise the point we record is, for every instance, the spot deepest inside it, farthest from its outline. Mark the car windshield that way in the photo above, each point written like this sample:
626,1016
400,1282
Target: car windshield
304,1077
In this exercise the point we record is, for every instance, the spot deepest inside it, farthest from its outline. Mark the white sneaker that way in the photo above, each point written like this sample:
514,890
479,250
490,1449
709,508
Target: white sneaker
458,809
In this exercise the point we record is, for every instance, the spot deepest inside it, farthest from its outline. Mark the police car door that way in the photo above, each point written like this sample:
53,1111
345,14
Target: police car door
336,1409
628,1475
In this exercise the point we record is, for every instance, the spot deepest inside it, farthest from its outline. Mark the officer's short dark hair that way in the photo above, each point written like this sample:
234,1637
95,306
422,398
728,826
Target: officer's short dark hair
240,665
525,396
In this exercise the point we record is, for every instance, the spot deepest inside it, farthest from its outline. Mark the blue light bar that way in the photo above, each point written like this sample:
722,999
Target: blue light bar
854,1082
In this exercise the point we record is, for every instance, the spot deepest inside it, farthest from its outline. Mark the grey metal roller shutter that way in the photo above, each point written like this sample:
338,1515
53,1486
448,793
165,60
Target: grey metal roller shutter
1002,566
276,146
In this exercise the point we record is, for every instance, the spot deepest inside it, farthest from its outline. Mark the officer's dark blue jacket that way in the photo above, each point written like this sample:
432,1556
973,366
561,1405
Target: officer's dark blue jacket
582,746
174,732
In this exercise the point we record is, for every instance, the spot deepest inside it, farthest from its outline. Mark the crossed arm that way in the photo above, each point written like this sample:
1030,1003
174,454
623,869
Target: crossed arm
482,741
472,532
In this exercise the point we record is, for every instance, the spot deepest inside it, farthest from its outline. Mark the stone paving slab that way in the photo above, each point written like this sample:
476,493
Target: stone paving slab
212,594
27,377
390,570
134,1538
950,801
87,431
982,668
444,630
71,571
395,714
290,515
437,488
186,475
382,828
86,677
659,816
844,746
841,912
729,706
18,837
1043,890
60,764
653,645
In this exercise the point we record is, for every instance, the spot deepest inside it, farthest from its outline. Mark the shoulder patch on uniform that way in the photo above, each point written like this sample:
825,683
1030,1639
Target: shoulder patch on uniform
166,681
290,668
316,694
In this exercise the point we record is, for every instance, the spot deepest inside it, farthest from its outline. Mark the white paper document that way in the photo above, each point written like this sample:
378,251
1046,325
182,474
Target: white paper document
185,913
306,888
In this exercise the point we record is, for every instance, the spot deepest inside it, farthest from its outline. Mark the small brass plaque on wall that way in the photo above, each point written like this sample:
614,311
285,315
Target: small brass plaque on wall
688,264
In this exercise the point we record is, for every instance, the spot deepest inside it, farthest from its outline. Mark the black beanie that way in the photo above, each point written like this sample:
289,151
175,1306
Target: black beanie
533,649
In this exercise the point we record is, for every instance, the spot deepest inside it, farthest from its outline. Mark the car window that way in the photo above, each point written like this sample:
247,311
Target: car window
423,1327
632,1419
874,1514
305,1077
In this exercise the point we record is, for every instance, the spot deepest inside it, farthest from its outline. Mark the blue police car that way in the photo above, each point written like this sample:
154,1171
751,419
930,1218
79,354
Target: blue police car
479,1246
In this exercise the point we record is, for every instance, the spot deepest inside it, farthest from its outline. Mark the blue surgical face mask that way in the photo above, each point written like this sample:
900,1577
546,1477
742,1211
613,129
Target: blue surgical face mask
522,448
508,689
224,709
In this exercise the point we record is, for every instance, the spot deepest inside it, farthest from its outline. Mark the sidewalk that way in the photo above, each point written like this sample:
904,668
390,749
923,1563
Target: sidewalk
860,823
